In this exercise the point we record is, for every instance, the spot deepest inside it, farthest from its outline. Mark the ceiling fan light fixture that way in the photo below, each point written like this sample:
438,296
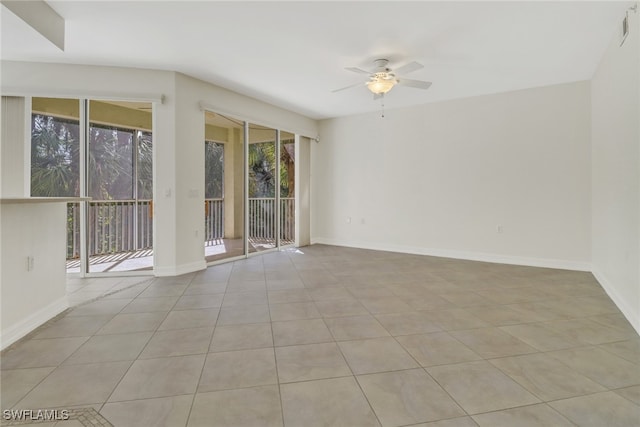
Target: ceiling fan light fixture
379,85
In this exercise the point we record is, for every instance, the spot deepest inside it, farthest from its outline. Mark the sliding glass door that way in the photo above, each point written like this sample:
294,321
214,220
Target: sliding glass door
263,180
120,184
224,187
103,150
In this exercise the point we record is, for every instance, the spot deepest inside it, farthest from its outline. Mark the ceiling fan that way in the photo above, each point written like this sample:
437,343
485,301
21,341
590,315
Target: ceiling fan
382,78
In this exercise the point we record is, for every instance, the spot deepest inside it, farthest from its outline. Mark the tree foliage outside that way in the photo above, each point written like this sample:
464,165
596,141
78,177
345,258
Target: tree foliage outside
55,160
262,169
55,157
214,170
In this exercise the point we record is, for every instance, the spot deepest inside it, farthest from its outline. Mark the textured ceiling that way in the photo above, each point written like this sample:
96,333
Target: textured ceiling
293,54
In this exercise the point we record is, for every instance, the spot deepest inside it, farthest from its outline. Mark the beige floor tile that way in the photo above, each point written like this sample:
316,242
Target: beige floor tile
385,305
466,299
376,355
630,393
329,402
100,307
163,290
407,397
296,332
310,362
525,416
169,376
438,348
587,331
492,342
247,407
204,288
629,350
73,326
293,311
161,412
331,293
371,291
238,369
540,337
430,302
502,315
15,384
179,342
241,315
355,327
480,387
455,319
241,299
341,308
195,302
110,348
133,322
186,319
288,295
246,285
410,323
76,385
40,353
546,377
150,305
598,410
601,366
453,422
281,285
241,337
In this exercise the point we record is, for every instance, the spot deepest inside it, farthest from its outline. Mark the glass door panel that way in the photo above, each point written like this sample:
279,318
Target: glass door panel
120,184
224,187
263,181
287,189
55,162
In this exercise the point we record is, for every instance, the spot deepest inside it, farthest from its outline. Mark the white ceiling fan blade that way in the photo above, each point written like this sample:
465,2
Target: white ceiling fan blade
358,70
408,68
348,87
419,84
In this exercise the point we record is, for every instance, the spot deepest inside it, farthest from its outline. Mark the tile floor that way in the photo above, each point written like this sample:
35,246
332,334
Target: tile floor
328,336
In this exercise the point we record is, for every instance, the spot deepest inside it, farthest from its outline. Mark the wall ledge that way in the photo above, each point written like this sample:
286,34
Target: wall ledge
30,323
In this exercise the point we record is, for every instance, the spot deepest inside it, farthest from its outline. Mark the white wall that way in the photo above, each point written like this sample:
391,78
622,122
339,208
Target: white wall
31,297
615,92
439,178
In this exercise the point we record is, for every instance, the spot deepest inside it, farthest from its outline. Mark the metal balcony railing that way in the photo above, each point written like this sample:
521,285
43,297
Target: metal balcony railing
116,226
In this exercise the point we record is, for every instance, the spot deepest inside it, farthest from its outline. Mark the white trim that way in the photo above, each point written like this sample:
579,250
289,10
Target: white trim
180,269
83,94
15,332
472,256
623,305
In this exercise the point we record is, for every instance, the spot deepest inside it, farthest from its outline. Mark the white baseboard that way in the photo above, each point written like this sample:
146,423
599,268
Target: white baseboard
632,316
15,332
471,256
180,269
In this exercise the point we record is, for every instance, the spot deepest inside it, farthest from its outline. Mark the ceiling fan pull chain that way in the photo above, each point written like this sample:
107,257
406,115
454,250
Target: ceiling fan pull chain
382,104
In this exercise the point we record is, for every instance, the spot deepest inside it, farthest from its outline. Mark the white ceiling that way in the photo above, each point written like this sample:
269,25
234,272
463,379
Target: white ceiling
292,54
